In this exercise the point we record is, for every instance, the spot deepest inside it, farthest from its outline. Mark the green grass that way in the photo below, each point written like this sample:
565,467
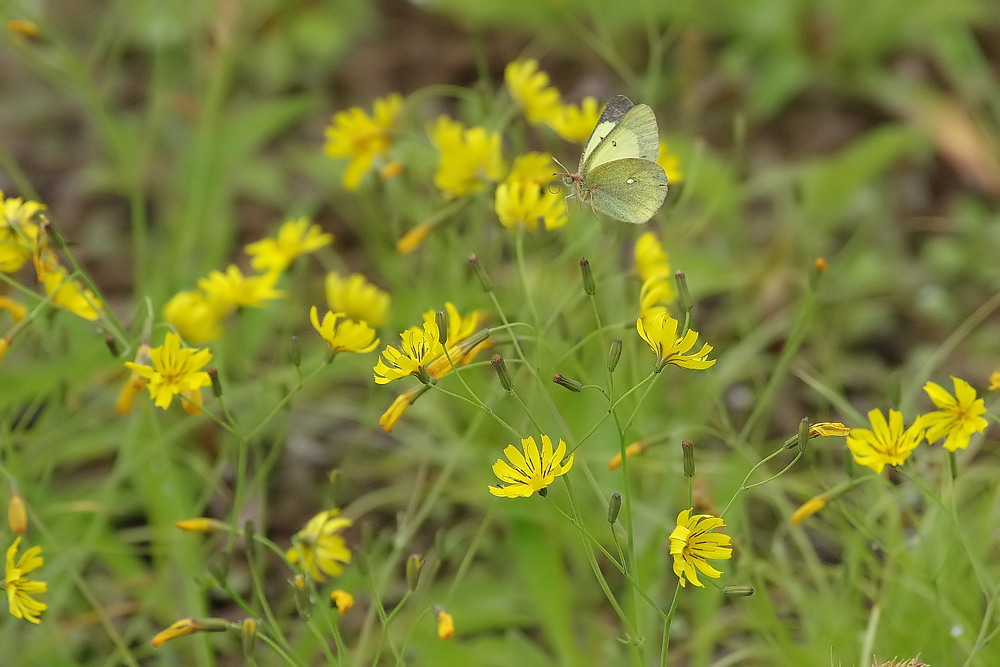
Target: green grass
165,136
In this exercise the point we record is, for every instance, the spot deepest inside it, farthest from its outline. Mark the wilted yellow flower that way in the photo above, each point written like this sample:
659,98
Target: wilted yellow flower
357,298
808,508
195,316
671,165
295,238
445,624
530,472
342,600
16,310
19,588
469,159
631,451
576,123
420,346
520,204
189,626
173,370
318,548
412,239
828,429
886,443
355,135
234,290
343,334
531,91
660,333
402,403
958,416
18,231
70,294
692,543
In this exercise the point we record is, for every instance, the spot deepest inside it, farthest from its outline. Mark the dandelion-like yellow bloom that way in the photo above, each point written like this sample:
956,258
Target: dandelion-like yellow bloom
19,587
342,600
994,381
362,138
420,346
232,289
530,472
295,238
318,548
692,543
531,91
886,443
70,294
958,416
357,298
671,165
575,123
460,348
445,624
533,168
196,316
523,204
173,370
343,334
18,231
660,333
651,259
469,160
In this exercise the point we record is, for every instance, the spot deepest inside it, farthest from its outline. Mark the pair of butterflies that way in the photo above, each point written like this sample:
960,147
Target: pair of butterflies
618,173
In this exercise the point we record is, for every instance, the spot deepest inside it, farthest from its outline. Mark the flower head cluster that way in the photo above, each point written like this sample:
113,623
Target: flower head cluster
528,470
173,370
18,231
692,543
653,266
357,298
19,587
344,334
419,347
886,442
462,346
469,159
957,417
294,239
362,138
318,548
671,164
523,200
659,330
542,103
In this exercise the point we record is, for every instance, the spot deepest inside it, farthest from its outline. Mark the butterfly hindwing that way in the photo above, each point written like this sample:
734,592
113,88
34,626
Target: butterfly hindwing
629,189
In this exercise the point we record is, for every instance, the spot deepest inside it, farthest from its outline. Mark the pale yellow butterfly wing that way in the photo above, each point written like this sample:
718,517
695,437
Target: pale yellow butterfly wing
629,189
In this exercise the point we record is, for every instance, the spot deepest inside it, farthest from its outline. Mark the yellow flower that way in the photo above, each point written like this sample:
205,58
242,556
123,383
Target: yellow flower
631,451
576,123
173,370
195,316
886,443
657,292
17,514
24,29
343,334
651,259
420,346
189,626
342,600
362,138
469,158
234,289
445,624
70,294
959,416
523,204
295,238
532,168
318,549
412,239
402,403
808,508
994,381
828,429
19,588
357,298
18,231
691,544
660,333
531,91
16,310
133,385
200,524
460,347
530,472
671,165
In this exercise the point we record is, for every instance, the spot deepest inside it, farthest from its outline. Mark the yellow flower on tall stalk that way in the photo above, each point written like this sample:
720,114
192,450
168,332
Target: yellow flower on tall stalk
660,333
957,417
575,123
18,231
671,165
469,159
399,406
19,587
294,239
173,370
460,346
531,91
343,334
318,548
419,347
651,259
519,204
70,294
357,298
362,138
692,543
533,167
234,289
196,316
886,442
530,471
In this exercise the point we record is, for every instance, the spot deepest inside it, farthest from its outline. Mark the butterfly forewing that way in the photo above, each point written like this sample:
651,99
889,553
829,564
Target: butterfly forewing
614,111
629,189
634,136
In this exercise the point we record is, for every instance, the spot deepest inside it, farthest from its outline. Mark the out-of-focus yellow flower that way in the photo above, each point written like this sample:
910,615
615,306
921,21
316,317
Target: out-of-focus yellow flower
631,451
671,165
886,443
342,600
23,28
18,231
318,548
808,508
19,588
189,626
460,330
660,333
357,298
412,239
16,310
469,159
656,294
362,138
234,289
402,403
523,204
692,543
195,316
445,624
420,346
343,334
70,294
200,524
17,514
531,471
650,258
531,91
134,384
173,370
994,381
576,123
532,168
295,238
957,417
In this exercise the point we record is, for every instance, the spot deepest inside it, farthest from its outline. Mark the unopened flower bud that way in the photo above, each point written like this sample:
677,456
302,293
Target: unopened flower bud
687,449
588,277
614,507
445,623
441,319
500,366
567,383
248,631
213,375
112,345
614,354
17,515
808,508
199,525
631,451
414,564
342,600
683,295
738,591
480,272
